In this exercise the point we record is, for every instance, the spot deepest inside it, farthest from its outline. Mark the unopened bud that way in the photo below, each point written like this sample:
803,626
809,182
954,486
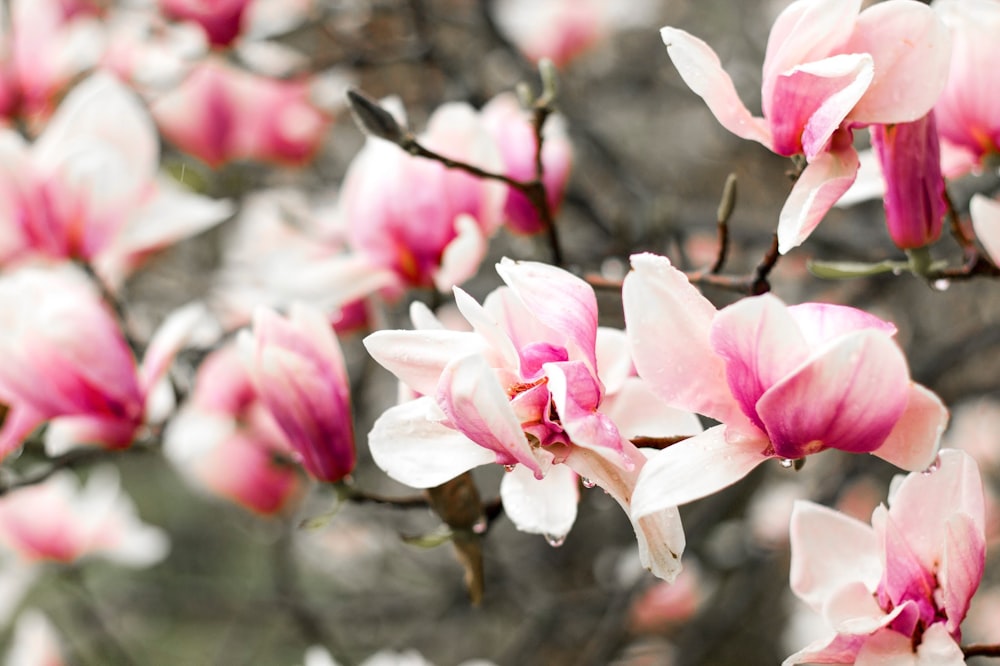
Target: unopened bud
373,119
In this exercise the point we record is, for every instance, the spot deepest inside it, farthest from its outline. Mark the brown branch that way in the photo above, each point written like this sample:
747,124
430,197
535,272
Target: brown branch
726,205
981,650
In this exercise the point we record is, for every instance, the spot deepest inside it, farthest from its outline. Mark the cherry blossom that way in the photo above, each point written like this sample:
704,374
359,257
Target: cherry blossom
785,382
828,69
524,389
900,588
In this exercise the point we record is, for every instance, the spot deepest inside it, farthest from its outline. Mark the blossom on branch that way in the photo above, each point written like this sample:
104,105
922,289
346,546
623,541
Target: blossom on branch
537,387
785,382
901,587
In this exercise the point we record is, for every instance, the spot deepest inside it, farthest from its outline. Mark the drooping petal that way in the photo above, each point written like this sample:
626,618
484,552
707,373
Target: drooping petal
664,313
849,397
541,506
701,70
830,551
419,357
985,214
409,443
911,48
694,468
827,176
914,440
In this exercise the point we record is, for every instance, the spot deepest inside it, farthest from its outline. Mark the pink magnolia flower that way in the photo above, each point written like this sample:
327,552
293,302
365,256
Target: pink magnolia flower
297,370
66,359
966,111
61,520
221,114
426,223
524,389
222,20
985,213
509,125
87,188
910,159
899,589
784,382
828,69
226,440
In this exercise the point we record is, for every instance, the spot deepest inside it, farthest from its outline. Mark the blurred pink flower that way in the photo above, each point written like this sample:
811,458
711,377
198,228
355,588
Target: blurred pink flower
967,117
510,126
225,439
66,359
297,370
785,382
828,69
88,189
900,588
61,520
666,605
222,20
910,159
221,114
524,389
417,218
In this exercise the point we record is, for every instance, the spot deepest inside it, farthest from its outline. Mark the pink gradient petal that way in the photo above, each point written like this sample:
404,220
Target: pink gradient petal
701,70
849,397
911,48
961,567
830,551
419,357
836,649
914,441
18,424
761,344
614,363
169,339
906,579
541,506
409,443
819,186
985,214
461,257
637,412
852,609
822,322
485,326
665,314
886,648
479,407
576,395
938,648
694,468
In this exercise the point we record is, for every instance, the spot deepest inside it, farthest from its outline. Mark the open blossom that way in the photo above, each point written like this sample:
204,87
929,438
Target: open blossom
966,111
426,223
66,359
827,69
88,188
61,520
900,588
511,128
297,370
784,382
524,389
226,440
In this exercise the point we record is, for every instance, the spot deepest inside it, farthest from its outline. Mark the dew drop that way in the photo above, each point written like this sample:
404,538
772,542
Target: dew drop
509,468
787,463
479,527
555,541
898,270
941,285
933,467
587,483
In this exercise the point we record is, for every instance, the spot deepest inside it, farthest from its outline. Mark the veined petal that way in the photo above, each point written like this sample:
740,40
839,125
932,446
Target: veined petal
541,506
822,322
819,186
701,70
829,552
479,407
665,313
914,440
849,397
911,48
694,468
409,443
419,357
961,567
576,395
985,214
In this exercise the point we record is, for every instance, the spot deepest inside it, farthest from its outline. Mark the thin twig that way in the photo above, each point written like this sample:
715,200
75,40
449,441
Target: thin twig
981,650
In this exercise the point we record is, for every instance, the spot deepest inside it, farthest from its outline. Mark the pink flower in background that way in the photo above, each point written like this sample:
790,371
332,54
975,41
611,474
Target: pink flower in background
967,117
65,358
511,128
221,20
297,370
411,215
524,389
221,114
226,440
88,188
900,588
828,69
61,520
784,382
910,159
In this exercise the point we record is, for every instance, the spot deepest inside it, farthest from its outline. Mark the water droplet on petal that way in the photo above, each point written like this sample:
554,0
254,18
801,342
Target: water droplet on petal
509,468
787,463
933,467
587,483
555,541
941,285
479,527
